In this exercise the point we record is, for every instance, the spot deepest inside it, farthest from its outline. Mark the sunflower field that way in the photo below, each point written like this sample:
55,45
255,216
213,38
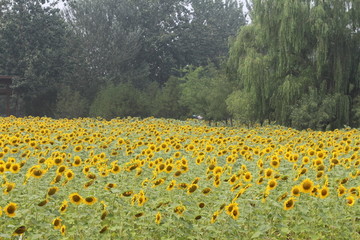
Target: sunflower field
168,179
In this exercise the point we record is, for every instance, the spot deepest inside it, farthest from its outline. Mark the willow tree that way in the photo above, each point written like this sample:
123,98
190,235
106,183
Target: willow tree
294,47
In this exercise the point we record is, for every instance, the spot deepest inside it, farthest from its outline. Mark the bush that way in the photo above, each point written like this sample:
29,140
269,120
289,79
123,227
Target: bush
120,100
70,104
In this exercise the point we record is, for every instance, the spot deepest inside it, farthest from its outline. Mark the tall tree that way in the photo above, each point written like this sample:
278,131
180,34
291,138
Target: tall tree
152,38
33,47
204,91
111,42
293,48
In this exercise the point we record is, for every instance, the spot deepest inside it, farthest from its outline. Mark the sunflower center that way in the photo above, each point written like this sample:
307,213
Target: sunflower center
289,203
76,198
307,186
11,209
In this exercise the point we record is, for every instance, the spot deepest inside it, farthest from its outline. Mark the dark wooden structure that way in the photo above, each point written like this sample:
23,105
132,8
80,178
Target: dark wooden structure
5,95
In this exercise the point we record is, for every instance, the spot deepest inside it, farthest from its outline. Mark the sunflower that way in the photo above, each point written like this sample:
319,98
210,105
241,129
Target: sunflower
306,186
15,168
272,184
104,229
58,161
214,216
268,173
56,179
177,173
75,198
233,179
115,169
139,214
37,173
341,190
179,210
171,185
324,192
158,182
305,160
169,168
192,188
235,213
127,193
275,163
57,223
295,191
201,205
158,218
77,161
247,176
350,200
216,183
69,174
61,169
229,208
10,209
104,214
8,187
90,200
63,207
52,191
43,203
142,200
110,186
63,230
78,148
206,191
19,231
289,204
217,170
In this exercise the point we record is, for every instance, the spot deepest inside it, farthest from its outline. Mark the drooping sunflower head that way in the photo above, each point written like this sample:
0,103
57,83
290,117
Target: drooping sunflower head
158,218
229,208
206,191
289,204
192,188
57,223
341,190
20,230
37,173
52,191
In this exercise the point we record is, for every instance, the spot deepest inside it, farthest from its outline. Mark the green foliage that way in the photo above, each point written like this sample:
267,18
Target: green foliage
314,111
120,100
142,40
166,103
204,92
240,103
33,47
293,46
70,103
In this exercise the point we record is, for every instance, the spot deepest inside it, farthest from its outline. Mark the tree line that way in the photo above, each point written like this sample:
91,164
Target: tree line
296,63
